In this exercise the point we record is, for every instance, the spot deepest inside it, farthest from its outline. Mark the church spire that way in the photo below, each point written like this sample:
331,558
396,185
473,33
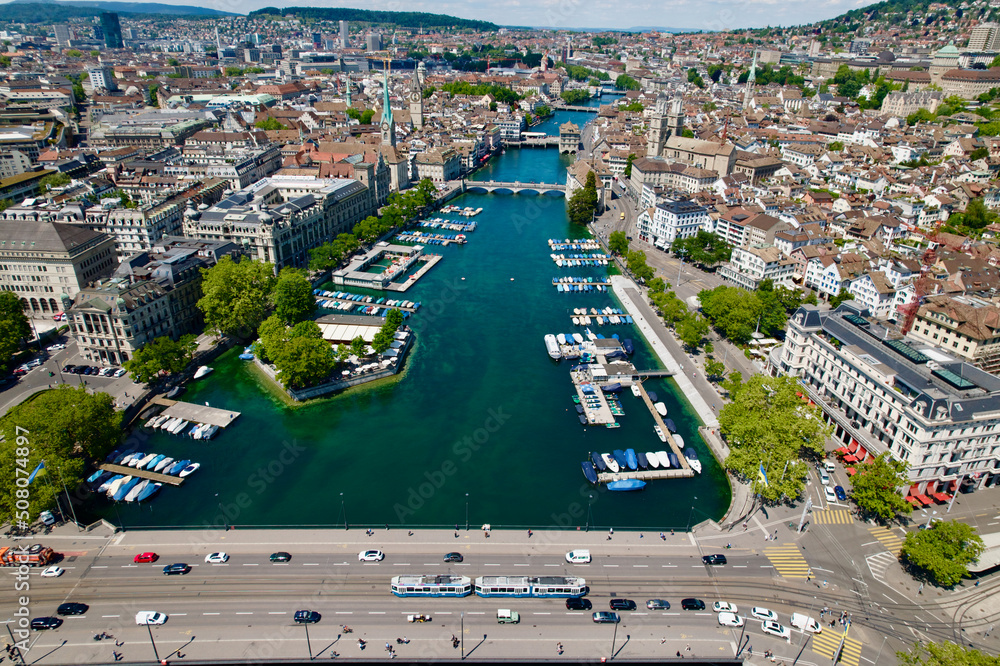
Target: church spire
751,80
388,123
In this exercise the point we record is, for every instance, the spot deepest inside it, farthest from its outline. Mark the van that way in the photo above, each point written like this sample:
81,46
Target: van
824,478
578,557
805,623
506,616
829,466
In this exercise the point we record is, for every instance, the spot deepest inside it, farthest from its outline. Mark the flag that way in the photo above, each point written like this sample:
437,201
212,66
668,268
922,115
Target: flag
762,475
38,470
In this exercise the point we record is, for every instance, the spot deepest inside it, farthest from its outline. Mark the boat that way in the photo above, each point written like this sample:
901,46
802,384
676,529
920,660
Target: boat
202,371
652,396
598,462
610,463
209,432
653,461
659,433
588,471
619,457
95,476
142,462
579,409
674,462
628,346
627,484
612,388
136,489
583,419
561,338
635,391
177,467
643,461
664,459
114,454
126,458
577,338
190,469
125,488
660,408
552,347
179,428
679,441
163,464
247,354
670,425
692,458
175,392
168,424
117,483
631,460
195,431
155,461
148,491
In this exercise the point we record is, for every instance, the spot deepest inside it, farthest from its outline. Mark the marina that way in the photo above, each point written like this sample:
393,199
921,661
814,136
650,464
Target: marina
156,477
194,414
428,238
439,223
576,244
574,260
349,303
606,316
386,267
467,211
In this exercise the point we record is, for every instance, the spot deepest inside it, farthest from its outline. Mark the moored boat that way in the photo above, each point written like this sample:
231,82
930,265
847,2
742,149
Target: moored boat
652,396
628,346
619,457
190,469
674,462
670,425
149,491
552,347
588,471
635,390
202,371
110,481
631,460
610,462
163,464
659,433
664,459
660,408
653,461
598,461
138,488
627,484
643,461
612,388
177,467
679,441
692,458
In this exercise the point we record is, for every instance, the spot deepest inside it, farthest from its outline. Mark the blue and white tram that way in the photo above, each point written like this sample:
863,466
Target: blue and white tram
530,586
434,585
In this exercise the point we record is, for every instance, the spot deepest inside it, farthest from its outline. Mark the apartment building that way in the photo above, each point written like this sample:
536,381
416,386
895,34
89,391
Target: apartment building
438,164
966,326
749,266
938,414
667,222
741,227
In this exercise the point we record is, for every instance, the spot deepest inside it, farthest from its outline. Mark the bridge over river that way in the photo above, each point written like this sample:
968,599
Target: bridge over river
512,187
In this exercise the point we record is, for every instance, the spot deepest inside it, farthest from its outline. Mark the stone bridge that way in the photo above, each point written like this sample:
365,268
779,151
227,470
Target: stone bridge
513,188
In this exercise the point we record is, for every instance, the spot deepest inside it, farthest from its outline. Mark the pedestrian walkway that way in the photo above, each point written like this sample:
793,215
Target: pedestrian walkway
891,540
832,517
879,563
827,643
788,561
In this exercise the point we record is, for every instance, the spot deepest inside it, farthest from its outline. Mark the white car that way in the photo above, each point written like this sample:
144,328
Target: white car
730,620
150,617
775,629
578,557
724,607
763,613
119,372
371,556
53,572
830,495
56,347
216,558
806,623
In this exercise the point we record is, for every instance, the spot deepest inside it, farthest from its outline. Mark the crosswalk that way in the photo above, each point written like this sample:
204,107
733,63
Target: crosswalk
788,561
879,563
832,517
891,540
826,644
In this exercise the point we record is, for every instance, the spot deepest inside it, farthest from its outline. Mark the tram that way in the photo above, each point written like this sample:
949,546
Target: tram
530,586
433,585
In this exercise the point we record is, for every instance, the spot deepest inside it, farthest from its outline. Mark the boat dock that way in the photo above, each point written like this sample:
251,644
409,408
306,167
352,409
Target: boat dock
438,223
428,261
193,413
685,469
646,474
596,415
388,305
426,237
574,244
142,474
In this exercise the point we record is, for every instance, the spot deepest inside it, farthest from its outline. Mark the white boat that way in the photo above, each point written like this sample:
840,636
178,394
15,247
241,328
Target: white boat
113,488
577,338
652,459
635,391
202,371
659,433
190,469
179,428
694,464
167,424
552,346
664,459
680,441
139,487
660,408
197,434
139,462
125,461
561,338
576,321
209,432
163,464
610,462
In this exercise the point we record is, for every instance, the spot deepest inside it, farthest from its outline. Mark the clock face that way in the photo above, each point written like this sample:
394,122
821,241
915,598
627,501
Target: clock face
385,126
415,96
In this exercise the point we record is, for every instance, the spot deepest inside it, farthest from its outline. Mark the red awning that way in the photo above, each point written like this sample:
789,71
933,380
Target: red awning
927,501
953,485
851,471
942,497
853,447
915,489
850,458
862,452
913,501
842,449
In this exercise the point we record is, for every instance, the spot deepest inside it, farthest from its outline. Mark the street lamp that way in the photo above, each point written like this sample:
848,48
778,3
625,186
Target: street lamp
225,518
150,630
590,511
463,635
930,518
308,642
614,637
466,512
343,509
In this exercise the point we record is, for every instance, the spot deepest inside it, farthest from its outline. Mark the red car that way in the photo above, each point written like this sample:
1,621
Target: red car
146,557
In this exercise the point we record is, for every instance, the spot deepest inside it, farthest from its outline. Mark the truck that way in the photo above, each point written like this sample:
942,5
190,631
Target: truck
36,555
505,616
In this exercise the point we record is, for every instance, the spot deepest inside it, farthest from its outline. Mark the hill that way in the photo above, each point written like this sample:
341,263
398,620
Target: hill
33,11
403,19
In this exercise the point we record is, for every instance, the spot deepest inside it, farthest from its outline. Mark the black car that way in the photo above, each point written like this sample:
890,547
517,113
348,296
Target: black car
578,603
176,569
453,557
692,604
716,559
72,608
307,617
69,368
46,623
622,604
281,556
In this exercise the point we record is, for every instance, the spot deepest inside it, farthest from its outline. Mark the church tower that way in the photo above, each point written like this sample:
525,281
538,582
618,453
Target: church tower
347,85
388,123
657,134
416,97
675,119
751,80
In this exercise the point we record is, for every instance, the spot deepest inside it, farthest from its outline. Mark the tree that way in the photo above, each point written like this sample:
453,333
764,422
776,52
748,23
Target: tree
303,358
714,369
618,243
575,96
270,123
672,309
835,146
271,335
628,165
293,297
979,154
704,248
381,341
66,427
733,383
943,552
583,203
875,488
692,329
767,424
161,355
14,327
945,654
656,285
737,313
53,180
841,296
173,62
236,296
358,346
625,82
393,319
687,133
635,260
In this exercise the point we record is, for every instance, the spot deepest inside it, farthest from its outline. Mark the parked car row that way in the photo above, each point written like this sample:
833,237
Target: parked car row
92,370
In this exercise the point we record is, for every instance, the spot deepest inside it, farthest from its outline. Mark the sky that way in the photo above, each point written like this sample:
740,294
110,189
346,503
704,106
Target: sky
611,14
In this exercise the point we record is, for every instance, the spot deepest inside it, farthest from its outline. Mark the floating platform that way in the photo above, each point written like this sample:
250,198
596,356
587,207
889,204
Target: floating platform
428,260
193,413
142,474
685,467
646,475
438,223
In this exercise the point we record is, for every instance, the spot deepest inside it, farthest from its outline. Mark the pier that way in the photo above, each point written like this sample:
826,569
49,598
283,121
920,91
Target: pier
601,415
428,260
193,413
335,299
428,237
646,474
685,467
142,474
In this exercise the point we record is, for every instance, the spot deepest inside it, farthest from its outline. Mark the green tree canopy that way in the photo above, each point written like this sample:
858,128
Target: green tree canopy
583,204
618,243
302,357
14,327
714,369
270,123
945,654
842,295
628,165
692,330
704,248
329,255
626,82
293,297
161,355
737,313
636,262
875,488
54,180
943,552
358,346
237,295
672,309
575,96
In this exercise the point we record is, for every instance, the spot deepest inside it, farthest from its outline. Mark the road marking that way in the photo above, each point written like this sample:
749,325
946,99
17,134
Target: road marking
341,613
400,564
245,613
822,569
476,613
111,616
431,564
522,565
376,612
210,613
669,566
889,598
611,566
445,613
788,561
133,566
336,564
640,613
553,565
697,566
277,613
254,564
96,566
541,613
739,566
640,566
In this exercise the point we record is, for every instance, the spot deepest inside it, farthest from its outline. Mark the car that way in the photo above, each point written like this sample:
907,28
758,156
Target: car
658,604
622,604
52,572
72,608
281,556
806,623
307,616
604,617
824,477
56,347
150,617
730,620
578,557
178,569
692,604
714,560
453,557
371,556
34,363
104,372
142,558
69,368
40,623
216,558
507,616
17,372
724,607
763,613
776,629
120,372
839,492
829,494
578,603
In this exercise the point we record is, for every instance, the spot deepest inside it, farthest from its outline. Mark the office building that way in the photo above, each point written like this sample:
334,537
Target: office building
112,30
102,78
984,37
344,35
62,34
374,41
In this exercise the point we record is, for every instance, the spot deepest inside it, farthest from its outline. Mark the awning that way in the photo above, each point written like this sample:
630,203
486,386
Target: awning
853,447
862,452
913,501
927,501
942,497
915,489
842,449
851,471
851,458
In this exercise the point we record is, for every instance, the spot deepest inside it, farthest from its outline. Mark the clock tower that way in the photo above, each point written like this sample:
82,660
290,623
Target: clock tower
388,123
416,97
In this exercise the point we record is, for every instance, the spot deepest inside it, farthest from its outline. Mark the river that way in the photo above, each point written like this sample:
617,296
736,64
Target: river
479,428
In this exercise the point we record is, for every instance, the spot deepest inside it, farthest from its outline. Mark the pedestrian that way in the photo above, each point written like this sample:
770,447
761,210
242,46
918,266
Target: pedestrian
640,536
456,535
679,654
687,648
744,526
662,641
529,534
663,536
387,527
671,532
611,531
977,583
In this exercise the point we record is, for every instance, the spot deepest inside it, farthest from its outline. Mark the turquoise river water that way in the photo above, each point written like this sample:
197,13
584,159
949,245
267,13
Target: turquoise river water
479,428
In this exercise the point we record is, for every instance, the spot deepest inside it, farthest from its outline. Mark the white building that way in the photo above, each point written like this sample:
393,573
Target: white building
749,266
664,223
102,78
